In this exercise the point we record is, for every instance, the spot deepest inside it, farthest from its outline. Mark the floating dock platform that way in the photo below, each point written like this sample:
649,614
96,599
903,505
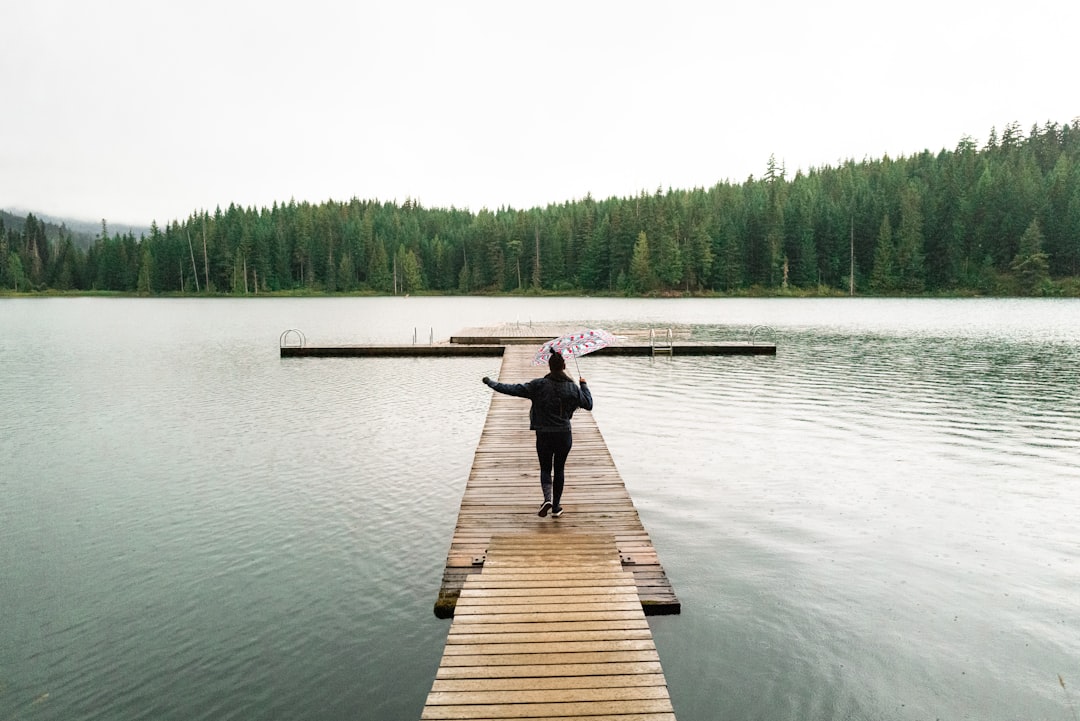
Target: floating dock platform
489,342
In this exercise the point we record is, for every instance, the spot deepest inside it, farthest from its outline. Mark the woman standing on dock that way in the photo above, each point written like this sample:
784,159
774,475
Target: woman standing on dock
554,398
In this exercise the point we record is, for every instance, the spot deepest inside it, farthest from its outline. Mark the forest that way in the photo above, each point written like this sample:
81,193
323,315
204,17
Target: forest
1000,219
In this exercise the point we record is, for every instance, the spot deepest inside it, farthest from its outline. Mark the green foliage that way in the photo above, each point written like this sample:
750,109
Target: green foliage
16,277
956,223
908,258
146,267
642,279
409,277
1030,265
883,277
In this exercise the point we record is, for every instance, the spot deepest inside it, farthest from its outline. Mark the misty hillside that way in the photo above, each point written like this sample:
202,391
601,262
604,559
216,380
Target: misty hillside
82,232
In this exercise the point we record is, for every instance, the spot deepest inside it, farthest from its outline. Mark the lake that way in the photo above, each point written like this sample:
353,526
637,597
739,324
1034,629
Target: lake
880,522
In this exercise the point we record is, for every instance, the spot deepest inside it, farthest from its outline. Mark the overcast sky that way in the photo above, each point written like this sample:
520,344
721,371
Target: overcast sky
140,110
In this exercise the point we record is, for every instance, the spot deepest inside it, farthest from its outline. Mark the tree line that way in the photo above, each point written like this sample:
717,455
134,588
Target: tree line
1003,218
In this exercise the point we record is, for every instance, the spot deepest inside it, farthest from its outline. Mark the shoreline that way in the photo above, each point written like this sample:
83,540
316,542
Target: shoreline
1069,289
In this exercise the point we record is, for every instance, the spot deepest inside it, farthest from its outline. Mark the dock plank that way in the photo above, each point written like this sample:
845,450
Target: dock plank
524,646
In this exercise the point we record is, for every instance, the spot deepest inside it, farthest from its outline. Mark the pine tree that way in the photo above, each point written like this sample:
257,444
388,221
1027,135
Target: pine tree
642,277
145,270
409,267
536,277
346,273
909,258
669,269
883,276
1030,263
239,270
15,273
701,262
513,252
379,277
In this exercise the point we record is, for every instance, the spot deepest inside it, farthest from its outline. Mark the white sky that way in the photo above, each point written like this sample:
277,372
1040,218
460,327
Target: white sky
135,110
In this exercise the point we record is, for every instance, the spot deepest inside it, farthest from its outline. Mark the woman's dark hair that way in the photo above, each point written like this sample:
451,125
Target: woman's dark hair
557,366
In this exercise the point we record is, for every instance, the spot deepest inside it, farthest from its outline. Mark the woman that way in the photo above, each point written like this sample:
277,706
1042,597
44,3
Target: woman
554,398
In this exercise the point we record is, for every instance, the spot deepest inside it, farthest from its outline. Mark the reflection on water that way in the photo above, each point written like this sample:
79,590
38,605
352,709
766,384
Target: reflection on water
876,523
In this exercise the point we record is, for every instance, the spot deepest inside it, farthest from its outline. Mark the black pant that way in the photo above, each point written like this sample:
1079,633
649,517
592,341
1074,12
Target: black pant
552,448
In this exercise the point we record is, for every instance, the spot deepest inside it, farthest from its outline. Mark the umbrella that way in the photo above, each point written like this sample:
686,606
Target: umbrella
574,345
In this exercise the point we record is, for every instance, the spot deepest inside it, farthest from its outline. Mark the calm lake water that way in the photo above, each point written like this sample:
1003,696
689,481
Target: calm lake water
881,522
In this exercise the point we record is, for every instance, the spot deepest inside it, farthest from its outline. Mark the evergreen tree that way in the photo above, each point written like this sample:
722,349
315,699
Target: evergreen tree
701,258
669,269
146,269
910,270
537,278
883,276
68,270
238,282
36,251
1030,263
379,275
642,278
16,275
513,259
346,273
409,271
303,251
331,282
5,259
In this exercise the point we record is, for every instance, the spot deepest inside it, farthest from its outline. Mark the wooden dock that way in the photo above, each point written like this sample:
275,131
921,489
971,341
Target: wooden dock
552,628
503,493
549,613
493,346
493,341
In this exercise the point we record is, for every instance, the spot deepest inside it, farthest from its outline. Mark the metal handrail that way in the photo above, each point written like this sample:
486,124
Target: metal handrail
283,339
669,348
756,328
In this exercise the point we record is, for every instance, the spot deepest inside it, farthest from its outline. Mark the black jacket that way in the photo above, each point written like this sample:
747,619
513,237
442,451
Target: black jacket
553,401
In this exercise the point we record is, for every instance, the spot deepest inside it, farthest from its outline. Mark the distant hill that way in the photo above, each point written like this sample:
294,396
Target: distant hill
83,232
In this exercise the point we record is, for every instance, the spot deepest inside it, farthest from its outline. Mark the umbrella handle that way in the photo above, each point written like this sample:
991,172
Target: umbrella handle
576,367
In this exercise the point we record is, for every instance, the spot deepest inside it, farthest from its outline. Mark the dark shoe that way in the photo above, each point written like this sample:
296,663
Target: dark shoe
556,513
544,508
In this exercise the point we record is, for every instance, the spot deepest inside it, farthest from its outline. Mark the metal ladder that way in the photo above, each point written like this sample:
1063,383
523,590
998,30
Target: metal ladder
292,338
761,329
658,349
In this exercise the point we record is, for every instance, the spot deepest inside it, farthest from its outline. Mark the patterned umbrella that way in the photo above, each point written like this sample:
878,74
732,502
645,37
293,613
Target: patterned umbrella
574,345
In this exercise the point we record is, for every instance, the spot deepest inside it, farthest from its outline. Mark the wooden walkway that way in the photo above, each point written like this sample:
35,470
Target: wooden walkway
551,629
503,493
549,613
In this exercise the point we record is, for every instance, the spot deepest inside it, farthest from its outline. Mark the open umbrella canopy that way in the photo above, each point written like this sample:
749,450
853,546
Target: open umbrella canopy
574,345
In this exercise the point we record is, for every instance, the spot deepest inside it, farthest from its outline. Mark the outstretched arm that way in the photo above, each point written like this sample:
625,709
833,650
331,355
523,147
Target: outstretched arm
521,390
